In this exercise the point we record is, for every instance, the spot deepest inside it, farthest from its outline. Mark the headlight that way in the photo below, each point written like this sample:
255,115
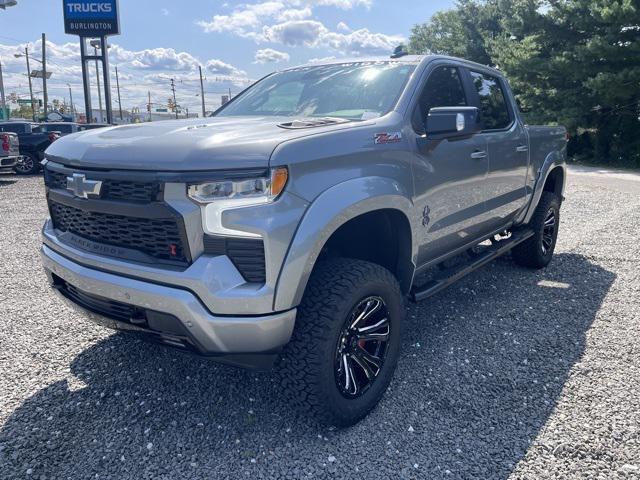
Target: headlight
236,193
216,197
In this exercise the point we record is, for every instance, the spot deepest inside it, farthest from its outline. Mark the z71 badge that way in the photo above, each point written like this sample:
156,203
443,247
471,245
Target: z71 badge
388,137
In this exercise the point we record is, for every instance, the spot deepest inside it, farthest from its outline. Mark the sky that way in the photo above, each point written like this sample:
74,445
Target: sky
234,42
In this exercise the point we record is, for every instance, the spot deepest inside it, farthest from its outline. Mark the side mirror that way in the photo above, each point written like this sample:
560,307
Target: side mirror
449,122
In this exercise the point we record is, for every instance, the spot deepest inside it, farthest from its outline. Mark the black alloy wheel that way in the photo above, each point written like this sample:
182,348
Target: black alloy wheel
362,347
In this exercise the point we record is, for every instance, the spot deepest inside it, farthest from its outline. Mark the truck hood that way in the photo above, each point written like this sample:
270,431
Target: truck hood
180,145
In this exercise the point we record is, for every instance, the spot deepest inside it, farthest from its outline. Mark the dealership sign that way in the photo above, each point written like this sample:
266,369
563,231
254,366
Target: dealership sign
91,18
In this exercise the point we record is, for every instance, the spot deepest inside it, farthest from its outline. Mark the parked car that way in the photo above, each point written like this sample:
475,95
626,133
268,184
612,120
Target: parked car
9,151
64,128
290,228
33,143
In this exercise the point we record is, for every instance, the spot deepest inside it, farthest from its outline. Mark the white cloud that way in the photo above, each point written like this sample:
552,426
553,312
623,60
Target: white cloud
291,23
295,14
140,72
362,42
219,67
243,20
344,4
295,32
269,55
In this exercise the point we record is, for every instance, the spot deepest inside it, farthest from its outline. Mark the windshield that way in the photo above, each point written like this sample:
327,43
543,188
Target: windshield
354,91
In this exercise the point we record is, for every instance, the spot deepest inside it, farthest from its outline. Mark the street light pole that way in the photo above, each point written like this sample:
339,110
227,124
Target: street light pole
44,73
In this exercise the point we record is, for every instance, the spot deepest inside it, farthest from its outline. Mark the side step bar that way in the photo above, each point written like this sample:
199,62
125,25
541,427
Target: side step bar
447,277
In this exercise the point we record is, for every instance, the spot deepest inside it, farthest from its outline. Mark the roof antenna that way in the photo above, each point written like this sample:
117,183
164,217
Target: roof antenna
400,51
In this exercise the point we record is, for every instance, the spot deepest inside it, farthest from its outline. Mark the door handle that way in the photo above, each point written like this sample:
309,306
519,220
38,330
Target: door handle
522,149
479,155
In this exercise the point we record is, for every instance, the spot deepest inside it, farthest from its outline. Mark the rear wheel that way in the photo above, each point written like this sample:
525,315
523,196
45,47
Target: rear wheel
345,344
27,165
537,251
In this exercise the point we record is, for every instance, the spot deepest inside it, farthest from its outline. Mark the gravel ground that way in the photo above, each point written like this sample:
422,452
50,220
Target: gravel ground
507,374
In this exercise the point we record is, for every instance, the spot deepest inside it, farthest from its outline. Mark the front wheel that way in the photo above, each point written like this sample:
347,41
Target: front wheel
536,251
346,341
27,165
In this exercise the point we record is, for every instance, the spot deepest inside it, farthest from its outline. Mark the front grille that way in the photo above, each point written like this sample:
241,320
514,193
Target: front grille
247,254
139,192
158,238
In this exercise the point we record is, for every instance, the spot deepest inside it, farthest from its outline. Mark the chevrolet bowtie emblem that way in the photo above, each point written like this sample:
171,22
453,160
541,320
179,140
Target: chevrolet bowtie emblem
81,187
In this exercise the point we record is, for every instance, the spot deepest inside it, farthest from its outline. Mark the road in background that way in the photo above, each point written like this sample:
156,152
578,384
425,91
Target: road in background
509,373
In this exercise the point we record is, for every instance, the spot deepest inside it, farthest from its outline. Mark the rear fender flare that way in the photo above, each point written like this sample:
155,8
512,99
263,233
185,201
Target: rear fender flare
553,160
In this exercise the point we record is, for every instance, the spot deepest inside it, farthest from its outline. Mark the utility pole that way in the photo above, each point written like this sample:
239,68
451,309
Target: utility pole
4,104
44,73
149,106
202,91
33,104
95,52
73,110
118,88
175,104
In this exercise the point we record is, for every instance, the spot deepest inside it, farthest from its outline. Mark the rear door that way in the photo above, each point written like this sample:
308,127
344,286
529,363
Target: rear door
449,175
507,144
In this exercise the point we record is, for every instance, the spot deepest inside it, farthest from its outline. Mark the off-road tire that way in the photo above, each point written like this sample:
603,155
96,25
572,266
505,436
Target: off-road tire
307,365
531,253
30,166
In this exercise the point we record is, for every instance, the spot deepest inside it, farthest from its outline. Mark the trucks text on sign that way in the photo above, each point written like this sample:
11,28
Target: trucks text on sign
91,18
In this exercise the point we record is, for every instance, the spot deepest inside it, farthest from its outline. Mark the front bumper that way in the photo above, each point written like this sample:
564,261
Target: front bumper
7,163
235,339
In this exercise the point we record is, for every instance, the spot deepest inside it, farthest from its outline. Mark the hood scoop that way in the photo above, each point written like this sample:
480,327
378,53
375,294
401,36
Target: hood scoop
312,122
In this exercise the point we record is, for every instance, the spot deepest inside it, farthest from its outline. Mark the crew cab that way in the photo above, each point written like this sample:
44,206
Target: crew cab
33,142
290,227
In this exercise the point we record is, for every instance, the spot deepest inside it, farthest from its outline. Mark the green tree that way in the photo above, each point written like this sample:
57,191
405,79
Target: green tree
575,62
460,32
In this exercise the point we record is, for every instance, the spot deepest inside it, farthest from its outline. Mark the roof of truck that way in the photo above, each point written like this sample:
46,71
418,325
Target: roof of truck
415,59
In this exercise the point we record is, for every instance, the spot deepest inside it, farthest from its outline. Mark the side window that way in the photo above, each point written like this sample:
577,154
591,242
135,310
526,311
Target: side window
443,89
494,113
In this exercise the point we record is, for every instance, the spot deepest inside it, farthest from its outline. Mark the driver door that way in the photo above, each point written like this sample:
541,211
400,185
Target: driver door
449,174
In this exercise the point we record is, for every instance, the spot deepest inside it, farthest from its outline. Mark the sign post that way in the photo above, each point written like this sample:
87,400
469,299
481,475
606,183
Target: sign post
93,19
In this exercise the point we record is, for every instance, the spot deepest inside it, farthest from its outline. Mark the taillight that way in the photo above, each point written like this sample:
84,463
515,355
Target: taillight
5,143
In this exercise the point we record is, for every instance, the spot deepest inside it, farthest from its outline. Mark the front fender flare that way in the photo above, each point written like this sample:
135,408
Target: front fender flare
330,210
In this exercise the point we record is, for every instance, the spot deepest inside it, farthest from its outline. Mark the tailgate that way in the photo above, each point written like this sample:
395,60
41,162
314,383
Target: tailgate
9,145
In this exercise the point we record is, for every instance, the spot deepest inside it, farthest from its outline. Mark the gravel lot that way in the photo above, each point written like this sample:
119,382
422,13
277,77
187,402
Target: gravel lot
507,374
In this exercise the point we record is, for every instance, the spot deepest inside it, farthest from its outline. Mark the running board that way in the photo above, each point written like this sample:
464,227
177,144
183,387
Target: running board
449,276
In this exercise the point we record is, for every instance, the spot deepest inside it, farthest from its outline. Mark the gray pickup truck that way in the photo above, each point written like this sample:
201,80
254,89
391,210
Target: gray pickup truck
289,228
